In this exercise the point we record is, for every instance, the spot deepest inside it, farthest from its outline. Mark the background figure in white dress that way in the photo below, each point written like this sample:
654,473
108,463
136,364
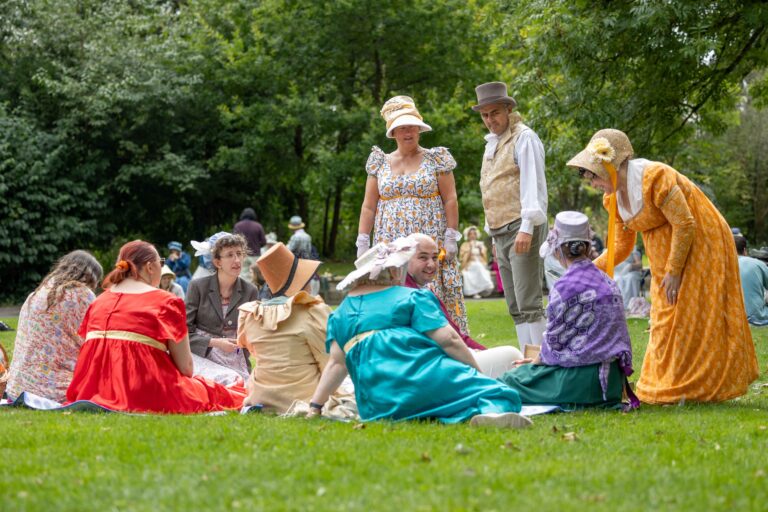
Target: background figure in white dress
474,265
628,275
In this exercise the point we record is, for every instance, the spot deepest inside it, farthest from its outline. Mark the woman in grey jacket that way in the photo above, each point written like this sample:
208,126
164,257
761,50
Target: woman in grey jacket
212,309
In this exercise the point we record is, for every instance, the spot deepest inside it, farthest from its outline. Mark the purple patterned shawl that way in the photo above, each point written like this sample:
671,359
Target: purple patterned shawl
586,323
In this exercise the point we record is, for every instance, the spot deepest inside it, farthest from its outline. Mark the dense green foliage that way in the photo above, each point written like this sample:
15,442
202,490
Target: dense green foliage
687,457
163,119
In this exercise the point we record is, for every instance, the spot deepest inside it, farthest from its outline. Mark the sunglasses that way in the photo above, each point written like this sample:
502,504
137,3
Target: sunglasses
162,261
586,173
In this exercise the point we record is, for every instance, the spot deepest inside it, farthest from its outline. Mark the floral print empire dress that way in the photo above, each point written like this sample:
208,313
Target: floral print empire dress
411,203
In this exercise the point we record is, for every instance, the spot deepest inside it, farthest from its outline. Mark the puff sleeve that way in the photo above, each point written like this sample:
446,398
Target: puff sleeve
376,161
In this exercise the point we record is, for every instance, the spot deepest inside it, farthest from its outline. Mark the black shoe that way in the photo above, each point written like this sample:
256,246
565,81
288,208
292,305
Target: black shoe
5,327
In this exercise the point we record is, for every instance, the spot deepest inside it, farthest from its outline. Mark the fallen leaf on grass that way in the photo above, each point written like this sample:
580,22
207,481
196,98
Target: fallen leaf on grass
320,491
570,436
469,472
594,498
509,445
359,426
760,473
554,429
717,447
480,336
425,457
762,427
461,449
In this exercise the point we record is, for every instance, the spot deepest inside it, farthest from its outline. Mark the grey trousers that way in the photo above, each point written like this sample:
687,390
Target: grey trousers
521,274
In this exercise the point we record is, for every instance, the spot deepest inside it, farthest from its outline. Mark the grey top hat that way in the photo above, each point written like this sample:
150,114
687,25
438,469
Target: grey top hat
493,92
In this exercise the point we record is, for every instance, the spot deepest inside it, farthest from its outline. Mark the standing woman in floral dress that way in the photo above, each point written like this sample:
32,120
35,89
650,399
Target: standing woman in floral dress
412,190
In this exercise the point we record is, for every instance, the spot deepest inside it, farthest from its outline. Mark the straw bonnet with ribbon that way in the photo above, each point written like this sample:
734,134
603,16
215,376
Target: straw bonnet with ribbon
285,273
166,271
606,151
569,227
379,257
468,229
401,111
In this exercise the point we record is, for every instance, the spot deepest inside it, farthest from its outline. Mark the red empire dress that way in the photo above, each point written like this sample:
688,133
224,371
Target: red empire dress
124,364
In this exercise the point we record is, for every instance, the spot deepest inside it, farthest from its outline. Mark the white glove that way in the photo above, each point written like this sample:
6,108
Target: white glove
451,249
363,243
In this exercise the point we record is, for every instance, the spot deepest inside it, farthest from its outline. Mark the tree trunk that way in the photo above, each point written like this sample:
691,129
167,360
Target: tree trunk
336,218
325,223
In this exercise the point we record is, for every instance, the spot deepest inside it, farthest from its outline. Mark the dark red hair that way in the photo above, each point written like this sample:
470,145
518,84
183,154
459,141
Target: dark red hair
132,257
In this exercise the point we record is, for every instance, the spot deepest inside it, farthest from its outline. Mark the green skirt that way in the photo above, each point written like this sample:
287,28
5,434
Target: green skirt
570,388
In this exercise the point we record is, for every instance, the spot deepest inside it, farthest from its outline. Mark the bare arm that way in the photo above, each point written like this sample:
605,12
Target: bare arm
447,187
333,375
182,356
368,211
450,341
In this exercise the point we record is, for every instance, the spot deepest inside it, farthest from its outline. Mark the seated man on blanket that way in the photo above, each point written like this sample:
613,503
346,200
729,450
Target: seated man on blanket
586,353
493,362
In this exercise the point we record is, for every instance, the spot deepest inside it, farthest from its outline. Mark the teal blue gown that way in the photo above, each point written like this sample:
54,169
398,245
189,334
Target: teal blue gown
399,373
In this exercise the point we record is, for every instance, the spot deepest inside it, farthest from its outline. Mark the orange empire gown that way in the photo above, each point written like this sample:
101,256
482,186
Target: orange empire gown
701,348
124,364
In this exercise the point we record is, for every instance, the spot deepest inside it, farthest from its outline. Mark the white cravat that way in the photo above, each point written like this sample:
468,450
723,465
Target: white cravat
491,141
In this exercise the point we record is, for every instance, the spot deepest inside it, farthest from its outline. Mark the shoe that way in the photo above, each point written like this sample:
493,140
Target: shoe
500,420
476,296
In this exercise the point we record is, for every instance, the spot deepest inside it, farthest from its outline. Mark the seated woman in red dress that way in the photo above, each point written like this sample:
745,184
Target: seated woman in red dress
136,354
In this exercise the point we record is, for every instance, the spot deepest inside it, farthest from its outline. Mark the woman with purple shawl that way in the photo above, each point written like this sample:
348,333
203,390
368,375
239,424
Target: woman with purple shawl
586,353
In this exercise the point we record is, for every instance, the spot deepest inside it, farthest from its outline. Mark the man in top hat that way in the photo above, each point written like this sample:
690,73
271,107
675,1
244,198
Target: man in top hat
514,192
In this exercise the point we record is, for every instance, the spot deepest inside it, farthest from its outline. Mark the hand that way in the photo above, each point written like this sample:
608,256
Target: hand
225,344
521,362
173,256
671,285
363,243
523,242
451,248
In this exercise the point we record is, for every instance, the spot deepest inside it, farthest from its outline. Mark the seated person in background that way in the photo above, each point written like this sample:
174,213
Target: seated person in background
47,342
212,304
586,353
179,261
474,265
754,282
257,279
271,240
136,353
629,275
285,334
167,278
553,271
492,362
405,360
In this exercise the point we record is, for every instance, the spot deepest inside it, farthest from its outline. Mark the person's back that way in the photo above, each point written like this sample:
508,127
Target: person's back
47,343
252,230
754,282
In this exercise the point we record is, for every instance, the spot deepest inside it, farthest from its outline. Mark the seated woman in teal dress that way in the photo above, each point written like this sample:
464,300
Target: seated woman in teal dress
405,360
586,354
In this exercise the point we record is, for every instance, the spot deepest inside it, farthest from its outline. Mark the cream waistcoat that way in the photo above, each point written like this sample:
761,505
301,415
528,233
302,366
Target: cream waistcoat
500,181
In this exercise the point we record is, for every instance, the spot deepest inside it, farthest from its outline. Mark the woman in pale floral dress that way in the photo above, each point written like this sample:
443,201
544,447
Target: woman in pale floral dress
47,343
412,190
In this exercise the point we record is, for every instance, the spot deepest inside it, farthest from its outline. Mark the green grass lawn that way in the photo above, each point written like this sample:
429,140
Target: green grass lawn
691,457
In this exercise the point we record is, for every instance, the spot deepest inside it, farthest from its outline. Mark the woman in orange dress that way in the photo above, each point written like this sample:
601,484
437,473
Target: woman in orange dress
136,354
701,348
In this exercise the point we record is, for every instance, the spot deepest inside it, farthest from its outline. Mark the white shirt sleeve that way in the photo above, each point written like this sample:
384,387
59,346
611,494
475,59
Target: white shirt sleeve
529,155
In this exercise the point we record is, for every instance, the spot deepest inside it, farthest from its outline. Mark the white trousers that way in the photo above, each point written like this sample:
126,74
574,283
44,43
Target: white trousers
496,361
